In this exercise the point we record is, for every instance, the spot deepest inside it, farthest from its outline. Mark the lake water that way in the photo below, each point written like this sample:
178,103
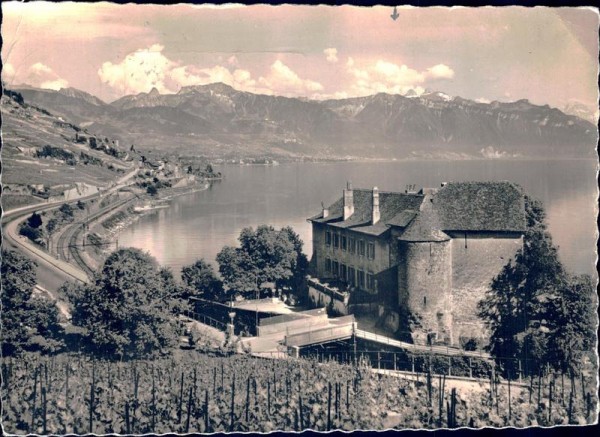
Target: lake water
200,224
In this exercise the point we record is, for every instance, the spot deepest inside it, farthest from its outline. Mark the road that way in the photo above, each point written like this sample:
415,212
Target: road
51,272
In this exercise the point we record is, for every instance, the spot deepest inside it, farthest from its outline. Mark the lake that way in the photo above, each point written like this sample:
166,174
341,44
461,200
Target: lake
198,225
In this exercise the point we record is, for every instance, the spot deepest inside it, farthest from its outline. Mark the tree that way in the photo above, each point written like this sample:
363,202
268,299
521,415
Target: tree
24,317
67,212
201,280
534,309
264,255
80,204
35,220
51,225
151,190
34,234
129,309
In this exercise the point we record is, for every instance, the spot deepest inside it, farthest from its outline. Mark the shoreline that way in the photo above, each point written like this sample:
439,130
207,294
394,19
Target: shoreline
111,235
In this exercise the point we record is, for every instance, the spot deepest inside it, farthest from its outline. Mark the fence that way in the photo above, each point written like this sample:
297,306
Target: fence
202,318
244,321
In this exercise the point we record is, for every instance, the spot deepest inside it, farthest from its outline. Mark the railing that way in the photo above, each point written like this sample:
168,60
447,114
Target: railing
202,318
283,318
441,350
321,335
248,302
340,295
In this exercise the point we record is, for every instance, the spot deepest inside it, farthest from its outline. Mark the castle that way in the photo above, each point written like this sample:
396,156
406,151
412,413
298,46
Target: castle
424,258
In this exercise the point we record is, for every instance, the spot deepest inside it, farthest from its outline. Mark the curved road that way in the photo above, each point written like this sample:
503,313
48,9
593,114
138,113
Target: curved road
51,272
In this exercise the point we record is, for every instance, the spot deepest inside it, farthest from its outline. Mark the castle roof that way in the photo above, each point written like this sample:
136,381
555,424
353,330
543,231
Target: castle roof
481,206
398,208
457,206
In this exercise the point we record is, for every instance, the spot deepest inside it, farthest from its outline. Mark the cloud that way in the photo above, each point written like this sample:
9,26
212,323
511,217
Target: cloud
42,76
140,71
331,54
388,77
149,68
281,79
189,76
233,60
440,71
8,72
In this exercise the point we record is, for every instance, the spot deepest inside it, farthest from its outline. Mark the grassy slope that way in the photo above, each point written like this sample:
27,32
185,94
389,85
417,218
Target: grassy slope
27,126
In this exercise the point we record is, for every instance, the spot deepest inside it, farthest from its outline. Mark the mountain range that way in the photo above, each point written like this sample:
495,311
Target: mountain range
218,121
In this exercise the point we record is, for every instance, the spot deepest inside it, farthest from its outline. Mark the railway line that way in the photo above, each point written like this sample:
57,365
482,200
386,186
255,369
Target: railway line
67,242
48,265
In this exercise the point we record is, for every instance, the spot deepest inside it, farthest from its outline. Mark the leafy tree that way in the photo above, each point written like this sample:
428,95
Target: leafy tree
151,190
34,234
80,205
66,211
35,220
201,280
51,225
264,255
128,310
24,317
534,309
238,270
43,322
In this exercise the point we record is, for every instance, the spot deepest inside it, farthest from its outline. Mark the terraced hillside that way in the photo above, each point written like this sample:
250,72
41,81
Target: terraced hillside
45,157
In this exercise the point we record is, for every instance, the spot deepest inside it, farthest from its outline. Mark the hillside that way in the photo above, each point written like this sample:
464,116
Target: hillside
220,122
46,157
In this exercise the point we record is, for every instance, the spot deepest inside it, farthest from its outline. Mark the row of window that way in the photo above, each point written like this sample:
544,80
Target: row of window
351,275
350,244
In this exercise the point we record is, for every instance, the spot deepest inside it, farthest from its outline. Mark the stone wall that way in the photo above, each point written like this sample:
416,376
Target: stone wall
476,259
425,284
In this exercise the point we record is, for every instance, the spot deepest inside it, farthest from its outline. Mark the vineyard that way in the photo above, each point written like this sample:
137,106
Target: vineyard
202,393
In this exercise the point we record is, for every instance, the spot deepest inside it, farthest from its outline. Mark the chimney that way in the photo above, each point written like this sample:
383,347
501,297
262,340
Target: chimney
325,210
375,215
348,201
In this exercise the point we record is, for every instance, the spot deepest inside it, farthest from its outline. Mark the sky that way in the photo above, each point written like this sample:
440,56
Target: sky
545,55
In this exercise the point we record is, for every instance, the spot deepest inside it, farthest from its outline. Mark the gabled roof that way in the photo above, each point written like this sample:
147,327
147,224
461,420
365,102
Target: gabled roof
481,206
457,206
391,205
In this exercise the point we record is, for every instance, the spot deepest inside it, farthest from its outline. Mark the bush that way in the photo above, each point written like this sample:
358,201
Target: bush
66,210
34,234
151,190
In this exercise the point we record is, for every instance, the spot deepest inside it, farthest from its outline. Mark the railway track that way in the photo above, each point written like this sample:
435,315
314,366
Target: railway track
67,242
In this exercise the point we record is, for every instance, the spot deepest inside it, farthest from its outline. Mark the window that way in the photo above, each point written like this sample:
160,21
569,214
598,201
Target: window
370,281
371,251
351,278
334,268
343,272
327,265
344,243
352,245
328,238
361,248
361,279
336,241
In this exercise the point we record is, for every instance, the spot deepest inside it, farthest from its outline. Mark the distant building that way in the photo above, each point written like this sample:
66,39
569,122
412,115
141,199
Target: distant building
425,258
